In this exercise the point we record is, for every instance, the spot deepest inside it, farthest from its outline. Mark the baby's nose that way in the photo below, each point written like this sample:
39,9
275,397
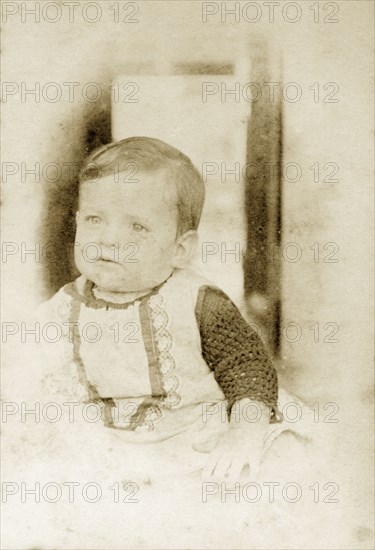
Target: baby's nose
110,234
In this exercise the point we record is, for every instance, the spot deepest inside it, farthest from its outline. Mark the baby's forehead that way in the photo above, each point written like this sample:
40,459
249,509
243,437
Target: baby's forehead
136,186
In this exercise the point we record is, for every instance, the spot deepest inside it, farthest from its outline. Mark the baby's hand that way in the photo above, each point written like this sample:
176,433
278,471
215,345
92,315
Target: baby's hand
241,446
234,451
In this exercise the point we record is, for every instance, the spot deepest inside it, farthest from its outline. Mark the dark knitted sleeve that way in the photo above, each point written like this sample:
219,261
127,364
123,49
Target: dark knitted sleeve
234,351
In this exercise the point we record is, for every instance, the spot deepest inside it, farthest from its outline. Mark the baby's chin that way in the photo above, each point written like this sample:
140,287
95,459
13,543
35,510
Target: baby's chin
107,283
126,288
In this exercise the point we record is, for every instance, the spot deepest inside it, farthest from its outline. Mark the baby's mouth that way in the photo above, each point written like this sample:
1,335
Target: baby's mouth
107,260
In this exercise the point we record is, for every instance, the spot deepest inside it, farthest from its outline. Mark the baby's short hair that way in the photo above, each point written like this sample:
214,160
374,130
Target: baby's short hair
152,154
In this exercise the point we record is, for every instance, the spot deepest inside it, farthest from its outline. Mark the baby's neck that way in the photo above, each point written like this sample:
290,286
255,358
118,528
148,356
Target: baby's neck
119,297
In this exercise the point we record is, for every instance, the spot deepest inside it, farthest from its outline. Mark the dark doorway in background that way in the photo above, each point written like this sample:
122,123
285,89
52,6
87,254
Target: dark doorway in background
263,195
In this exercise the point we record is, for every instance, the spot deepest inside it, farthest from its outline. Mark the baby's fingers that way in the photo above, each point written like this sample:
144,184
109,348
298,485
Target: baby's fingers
238,464
217,465
254,464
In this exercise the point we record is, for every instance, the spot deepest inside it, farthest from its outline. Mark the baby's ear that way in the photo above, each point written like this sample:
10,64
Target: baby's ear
185,248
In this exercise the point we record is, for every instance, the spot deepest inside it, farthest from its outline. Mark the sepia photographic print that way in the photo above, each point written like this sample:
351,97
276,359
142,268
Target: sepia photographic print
187,275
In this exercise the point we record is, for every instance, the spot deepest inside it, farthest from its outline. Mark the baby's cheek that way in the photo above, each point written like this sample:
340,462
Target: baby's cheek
157,253
82,237
85,251
127,254
160,244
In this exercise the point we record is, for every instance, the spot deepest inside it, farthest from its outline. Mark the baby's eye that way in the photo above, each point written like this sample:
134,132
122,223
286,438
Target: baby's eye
94,220
139,228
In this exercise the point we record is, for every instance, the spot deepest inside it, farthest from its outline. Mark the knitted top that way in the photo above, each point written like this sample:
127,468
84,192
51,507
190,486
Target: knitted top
234,351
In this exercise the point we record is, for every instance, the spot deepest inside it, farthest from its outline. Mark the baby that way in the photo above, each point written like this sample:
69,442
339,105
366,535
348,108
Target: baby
163,351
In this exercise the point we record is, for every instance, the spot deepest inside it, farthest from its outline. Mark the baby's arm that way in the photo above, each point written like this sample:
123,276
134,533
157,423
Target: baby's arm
242,368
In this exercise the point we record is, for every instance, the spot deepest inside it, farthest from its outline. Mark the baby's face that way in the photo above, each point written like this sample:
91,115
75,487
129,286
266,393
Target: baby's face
126,237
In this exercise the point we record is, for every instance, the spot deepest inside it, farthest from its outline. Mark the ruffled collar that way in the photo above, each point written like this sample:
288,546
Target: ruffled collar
118,297
94,298
85,291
